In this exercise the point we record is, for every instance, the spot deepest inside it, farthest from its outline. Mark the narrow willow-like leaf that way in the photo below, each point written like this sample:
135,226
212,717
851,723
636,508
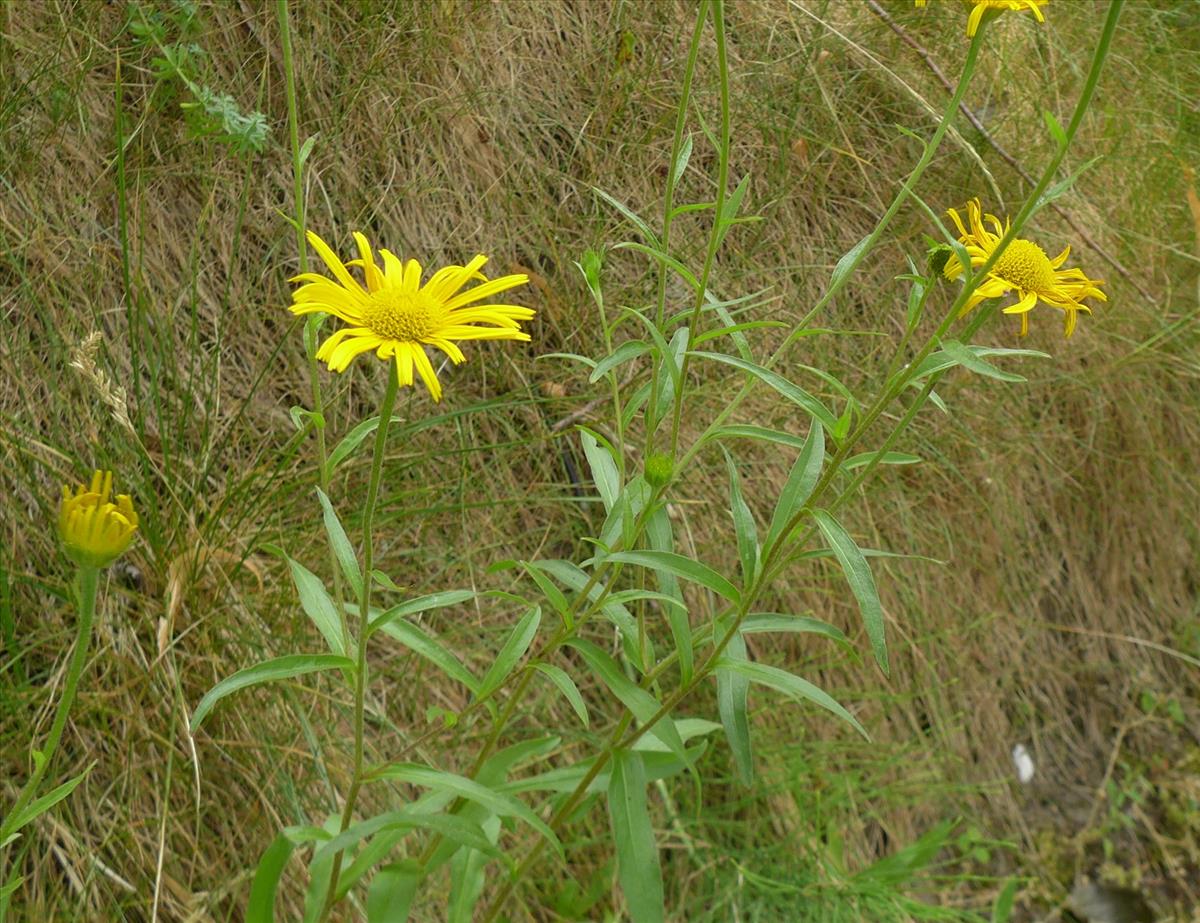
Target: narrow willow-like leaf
732,692
557,599
499,803
969,360
660,536
570,575
862,582
628,350
515,646
457,829
353,439
681,161
318,606
683,567
800,483
604,469
888,458
792,392
744,529
748,431
269,671
847,263
567,687
941,360
629,213
261,906
467,877
420,604
790,685
660,764
342,549
43,804
638,867
428,647
391,892
761,622
640,703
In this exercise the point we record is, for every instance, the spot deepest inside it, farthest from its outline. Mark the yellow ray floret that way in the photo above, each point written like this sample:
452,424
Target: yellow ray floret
397,317
94,529
980,7
1022,268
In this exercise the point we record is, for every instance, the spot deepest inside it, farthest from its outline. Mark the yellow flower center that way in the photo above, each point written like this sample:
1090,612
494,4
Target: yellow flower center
401,316
1025,265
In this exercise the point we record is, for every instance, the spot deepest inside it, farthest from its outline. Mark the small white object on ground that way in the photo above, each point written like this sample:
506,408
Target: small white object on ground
1024,763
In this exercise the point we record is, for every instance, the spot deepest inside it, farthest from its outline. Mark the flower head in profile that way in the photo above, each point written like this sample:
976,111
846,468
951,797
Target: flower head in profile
397,317
980,7
1022,268
94,529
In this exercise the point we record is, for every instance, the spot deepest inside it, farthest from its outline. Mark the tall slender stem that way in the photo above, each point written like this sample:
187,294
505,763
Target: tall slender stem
88,580
364,614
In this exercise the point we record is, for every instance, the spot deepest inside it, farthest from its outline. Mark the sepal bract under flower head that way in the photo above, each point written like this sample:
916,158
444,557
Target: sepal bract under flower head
95,528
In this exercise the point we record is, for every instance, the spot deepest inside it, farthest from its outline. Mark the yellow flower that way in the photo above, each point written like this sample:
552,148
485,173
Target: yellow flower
397,316
94,530
1023,268
980,7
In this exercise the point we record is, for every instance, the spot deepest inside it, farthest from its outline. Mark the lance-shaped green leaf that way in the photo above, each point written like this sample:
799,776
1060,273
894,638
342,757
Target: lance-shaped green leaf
342,549
744,529
862,582
800,483
790,685
732,692
392,891
604,469
515,646
660,536
499,803
969,360
316,603
683,567
39,807
428,647
413,606
563,682
792,392
261,906
760,622
570,575
638,867
628,350
641,704
269,671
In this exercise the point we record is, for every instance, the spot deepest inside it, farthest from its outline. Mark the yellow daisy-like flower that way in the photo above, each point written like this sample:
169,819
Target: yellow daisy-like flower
1023,268
397,316
980,7
94,530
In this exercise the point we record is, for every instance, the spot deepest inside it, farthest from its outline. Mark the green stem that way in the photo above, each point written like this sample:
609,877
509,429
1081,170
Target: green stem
689,72
88,580
718,226
324,473
364,615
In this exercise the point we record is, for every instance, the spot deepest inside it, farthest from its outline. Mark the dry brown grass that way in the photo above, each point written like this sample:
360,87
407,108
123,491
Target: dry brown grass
1065,509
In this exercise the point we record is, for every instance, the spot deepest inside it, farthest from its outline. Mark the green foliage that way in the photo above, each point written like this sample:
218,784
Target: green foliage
179,62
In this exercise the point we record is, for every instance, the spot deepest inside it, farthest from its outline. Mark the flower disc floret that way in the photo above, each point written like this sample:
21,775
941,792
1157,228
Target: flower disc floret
1022,267
96,530
395,315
